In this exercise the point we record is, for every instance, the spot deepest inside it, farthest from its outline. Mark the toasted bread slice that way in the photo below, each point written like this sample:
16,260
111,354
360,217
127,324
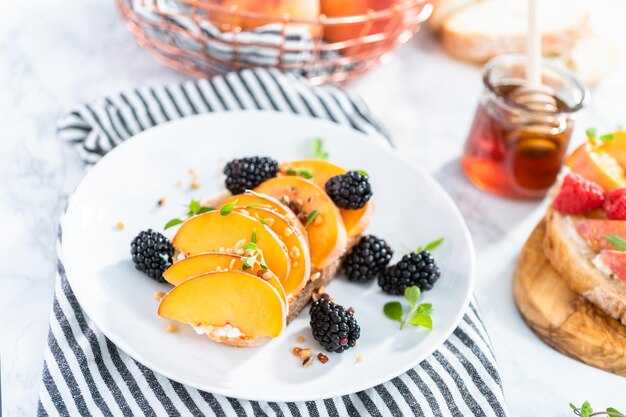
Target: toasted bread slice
570,255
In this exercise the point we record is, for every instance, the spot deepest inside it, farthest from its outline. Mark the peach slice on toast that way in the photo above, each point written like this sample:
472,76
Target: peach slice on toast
297,245
594,232
215,232
196,265
217,299
355,221
251,199
327,233
597,166
613,260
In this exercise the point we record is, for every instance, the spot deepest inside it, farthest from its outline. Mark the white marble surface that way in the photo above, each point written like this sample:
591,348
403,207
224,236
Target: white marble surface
54,53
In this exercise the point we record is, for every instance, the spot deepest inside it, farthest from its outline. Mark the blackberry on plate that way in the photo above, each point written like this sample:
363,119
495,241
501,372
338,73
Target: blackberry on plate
246,173
333,326
417,268
152,253
351,190
366,259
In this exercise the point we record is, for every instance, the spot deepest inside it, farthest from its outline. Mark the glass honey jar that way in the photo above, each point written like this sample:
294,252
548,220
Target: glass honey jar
515,148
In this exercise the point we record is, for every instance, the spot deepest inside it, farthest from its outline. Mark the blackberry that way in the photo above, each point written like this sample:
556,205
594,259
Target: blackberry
351,190
334,327
366,259
417,269
152,253
246,173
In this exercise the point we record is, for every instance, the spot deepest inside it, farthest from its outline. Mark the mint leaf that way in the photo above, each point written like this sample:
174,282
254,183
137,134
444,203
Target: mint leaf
318,151
310,217
364,173
172,223
262,220
617,241
591,133
430,246
425,308
393,310
248,262
573,407
250,246
585,409
227,208
613,412
412,294
204,209
264,266
194,206
304,173
606,137
258,205
422,320
253,237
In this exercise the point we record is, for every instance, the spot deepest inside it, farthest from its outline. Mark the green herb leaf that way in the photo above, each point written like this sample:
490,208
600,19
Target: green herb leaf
423,320
253,237
194,206
364,173
204,209
591,133
227,208
573,407
617,241
248,262
613,412
258,205
305,173
606,137
430,246
310,217
393,310
412,294
262,220
425,308
318,149
250,246
172,223
264,266
585,409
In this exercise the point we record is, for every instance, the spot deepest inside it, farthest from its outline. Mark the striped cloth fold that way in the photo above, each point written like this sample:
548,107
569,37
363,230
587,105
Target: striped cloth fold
85,374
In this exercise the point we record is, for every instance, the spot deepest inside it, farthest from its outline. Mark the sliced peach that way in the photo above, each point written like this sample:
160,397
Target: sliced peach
296,244
327,234
253,199
616,147
356,221
614,260
597,166
242,300
594,232
213,232
215,261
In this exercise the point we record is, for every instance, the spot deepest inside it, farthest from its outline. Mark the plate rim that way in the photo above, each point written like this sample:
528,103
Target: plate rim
375,139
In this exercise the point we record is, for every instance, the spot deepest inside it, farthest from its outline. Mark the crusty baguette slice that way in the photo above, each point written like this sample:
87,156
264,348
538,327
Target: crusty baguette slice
442,9
485,29
573,259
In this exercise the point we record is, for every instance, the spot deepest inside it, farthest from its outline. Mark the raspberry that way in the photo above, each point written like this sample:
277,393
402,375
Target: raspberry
578,195
615,204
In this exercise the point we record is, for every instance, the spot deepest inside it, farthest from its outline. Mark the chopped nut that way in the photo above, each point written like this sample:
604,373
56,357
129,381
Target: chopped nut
322,358
288,232
195,185
158,295
221,249
318,294
300,339
298,201
240,243
218,268
285,199
295,264
360,358
267,275
232,264
294,253
120,225
308,361
162,201
296,351
357,344
170,328
244,211
269,221
239,251
318,220
315,276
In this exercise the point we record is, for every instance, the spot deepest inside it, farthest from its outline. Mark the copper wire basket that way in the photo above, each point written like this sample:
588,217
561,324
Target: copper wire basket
201,38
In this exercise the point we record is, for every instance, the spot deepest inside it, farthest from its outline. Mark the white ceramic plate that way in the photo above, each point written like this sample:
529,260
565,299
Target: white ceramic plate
411,209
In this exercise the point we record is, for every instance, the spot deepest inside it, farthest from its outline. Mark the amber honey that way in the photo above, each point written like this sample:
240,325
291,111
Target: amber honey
515,150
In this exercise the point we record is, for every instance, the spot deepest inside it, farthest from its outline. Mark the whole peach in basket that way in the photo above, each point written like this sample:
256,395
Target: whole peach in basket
349,31
255,13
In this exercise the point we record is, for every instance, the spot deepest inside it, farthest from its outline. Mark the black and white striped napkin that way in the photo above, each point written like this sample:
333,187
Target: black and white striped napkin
86,374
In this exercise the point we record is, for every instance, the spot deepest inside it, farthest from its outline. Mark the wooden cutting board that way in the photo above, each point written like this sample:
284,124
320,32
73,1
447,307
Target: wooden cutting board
560,317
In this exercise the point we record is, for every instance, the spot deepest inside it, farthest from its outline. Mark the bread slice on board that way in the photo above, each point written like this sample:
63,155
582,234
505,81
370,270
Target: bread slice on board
573,259
485,29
